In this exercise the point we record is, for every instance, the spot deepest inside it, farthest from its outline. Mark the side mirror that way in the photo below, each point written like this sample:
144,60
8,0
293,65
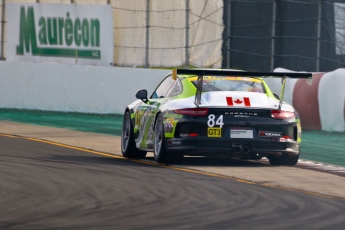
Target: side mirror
142,95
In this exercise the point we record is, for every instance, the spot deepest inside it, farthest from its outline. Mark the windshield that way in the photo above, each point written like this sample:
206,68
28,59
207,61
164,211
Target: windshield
220,83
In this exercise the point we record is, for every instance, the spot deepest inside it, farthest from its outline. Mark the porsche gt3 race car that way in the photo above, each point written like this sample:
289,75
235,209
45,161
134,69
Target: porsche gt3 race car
213,113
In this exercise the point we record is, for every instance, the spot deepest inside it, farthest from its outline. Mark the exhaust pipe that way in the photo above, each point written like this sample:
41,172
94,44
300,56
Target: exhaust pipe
245,149
238,149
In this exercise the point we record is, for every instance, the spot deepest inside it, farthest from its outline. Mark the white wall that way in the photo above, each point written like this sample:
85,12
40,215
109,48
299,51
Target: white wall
95,89
71,88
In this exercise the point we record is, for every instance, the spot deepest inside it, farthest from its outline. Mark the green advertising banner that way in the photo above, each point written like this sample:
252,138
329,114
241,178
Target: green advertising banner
60,33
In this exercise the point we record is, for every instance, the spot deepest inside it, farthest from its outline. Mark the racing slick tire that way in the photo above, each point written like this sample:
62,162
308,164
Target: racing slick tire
161,154
128,148
284,160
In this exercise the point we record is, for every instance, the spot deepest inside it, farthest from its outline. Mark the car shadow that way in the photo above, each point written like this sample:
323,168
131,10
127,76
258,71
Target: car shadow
218,162
188,161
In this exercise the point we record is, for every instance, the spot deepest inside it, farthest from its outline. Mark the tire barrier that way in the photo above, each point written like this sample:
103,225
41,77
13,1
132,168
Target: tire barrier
320,102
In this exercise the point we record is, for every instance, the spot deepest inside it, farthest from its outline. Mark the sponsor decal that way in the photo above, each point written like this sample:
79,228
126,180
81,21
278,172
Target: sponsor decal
229,78
238,133
173,115
241,114
238,101
168,127
174,142
214,132
270,134
170,119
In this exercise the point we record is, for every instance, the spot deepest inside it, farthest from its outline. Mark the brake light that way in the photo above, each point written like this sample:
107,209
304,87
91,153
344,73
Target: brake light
193,111
279,114
286,139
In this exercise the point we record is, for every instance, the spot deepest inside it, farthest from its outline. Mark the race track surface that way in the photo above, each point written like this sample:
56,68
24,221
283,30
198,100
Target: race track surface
45,185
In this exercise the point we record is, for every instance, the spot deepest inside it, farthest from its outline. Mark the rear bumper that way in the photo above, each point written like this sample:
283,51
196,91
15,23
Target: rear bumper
232,147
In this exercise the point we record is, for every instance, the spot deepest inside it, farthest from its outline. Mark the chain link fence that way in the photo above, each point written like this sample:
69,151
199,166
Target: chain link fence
257,35
161,33
293,34
165,33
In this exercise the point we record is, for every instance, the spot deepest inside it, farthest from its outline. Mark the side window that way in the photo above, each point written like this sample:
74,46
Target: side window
176,89
164,88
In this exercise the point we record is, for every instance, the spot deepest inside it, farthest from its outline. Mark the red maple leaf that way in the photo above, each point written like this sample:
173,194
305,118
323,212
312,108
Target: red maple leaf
238,101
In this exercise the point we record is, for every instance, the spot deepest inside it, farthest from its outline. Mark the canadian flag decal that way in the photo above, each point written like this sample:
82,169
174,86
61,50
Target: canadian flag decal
238,101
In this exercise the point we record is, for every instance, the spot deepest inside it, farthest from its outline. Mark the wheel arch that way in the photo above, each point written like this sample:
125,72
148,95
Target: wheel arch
131,114
155,119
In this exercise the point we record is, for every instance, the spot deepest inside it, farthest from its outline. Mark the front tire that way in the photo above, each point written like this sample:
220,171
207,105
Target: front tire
128,148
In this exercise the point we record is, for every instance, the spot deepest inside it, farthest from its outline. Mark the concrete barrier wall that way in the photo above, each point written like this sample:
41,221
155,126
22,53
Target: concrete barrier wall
95,89
71,88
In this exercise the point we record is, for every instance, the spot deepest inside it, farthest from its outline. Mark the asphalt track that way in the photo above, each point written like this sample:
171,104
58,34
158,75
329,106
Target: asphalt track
68,189
47,186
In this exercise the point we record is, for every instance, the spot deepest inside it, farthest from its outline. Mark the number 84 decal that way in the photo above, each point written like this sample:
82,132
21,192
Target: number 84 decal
212,121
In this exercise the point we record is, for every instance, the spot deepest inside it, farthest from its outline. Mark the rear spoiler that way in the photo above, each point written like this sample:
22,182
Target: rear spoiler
211,72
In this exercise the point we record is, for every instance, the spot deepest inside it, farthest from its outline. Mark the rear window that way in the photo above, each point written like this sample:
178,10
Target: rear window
220,83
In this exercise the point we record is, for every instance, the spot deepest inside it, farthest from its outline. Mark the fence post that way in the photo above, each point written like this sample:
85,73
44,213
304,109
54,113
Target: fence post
187,35
147,34
319,16
2,31
228,35
273,32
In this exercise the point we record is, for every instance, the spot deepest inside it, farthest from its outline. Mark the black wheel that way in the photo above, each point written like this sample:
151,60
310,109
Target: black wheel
128,148
160,151
284,160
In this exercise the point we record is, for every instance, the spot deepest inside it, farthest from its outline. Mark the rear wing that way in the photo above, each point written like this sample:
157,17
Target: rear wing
211,72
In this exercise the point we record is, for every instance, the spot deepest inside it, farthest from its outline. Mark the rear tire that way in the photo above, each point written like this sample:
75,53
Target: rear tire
128,148
161,154
284,160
